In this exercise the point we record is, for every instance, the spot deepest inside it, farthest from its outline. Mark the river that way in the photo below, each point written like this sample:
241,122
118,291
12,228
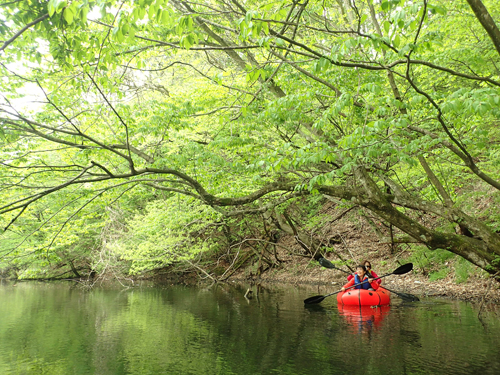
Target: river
62,329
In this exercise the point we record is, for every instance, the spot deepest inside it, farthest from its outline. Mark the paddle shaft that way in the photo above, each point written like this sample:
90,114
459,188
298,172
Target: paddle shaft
350,287
327,264
318,299
404,296
405,268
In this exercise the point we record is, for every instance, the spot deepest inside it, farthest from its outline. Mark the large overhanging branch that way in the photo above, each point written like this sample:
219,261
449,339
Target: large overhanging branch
452,214
369,196
231,50
265,208
24,203
486,21
201,192
31,128
20,32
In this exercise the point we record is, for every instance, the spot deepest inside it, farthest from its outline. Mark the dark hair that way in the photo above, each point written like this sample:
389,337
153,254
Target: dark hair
361,266
367,261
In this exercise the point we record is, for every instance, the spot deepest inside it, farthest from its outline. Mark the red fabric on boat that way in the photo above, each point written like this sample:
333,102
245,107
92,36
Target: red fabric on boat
363,297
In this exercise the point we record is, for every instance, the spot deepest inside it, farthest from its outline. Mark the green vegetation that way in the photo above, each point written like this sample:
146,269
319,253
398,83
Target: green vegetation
141,135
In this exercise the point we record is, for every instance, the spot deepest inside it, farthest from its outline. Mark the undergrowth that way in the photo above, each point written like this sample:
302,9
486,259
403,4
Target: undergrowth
439,264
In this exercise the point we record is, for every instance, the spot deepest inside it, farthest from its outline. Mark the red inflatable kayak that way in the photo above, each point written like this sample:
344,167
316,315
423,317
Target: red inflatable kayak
363,297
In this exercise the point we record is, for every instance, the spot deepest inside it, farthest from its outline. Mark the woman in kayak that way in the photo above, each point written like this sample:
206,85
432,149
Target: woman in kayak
361,277
369,272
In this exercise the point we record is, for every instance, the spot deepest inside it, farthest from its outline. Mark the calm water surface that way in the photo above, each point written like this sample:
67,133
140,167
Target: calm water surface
59,329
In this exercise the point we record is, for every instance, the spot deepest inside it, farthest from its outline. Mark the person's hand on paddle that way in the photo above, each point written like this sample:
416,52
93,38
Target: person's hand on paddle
405,268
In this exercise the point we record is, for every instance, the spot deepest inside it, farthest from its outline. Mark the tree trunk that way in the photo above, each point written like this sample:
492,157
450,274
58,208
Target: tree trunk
486,21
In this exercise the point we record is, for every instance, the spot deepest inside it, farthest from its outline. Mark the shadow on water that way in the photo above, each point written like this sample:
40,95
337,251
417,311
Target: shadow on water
316,308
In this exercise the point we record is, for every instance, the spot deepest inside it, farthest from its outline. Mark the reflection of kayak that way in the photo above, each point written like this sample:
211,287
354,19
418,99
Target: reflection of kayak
363,297
363,318
363,312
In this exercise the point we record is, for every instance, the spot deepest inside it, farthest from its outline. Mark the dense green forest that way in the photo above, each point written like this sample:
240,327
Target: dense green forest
139,135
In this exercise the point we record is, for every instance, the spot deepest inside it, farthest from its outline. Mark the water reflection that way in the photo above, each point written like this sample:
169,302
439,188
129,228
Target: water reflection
363,319
54,329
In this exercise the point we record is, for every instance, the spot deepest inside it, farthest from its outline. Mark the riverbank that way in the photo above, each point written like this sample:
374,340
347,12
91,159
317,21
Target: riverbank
476,289
354,239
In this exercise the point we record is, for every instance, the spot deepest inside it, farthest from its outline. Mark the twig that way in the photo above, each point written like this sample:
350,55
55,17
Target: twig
486,294
202,270
18,34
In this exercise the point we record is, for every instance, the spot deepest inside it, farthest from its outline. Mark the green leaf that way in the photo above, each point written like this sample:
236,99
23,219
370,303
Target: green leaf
280,42
51,8
387,26
151,12
396,41
68,15
248,16
83,14
441,10
141,13
125,28
165,18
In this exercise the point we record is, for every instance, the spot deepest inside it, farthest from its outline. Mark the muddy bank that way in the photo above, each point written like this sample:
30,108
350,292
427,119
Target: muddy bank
351,239
476,290
304,272
355,241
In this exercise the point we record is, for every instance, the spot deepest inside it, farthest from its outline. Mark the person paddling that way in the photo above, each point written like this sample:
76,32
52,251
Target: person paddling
369,272
361,277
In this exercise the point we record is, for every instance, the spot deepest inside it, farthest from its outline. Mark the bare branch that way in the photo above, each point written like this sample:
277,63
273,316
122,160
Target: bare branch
20,32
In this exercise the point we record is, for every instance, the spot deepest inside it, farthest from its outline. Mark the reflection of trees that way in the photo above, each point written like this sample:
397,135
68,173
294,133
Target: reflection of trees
181,330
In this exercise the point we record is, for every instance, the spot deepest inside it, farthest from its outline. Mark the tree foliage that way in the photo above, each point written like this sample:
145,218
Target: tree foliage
392,105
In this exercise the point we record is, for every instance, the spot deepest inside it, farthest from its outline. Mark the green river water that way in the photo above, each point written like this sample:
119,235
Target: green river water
61,329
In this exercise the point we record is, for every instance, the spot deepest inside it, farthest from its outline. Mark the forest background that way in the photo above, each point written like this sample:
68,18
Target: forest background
152,137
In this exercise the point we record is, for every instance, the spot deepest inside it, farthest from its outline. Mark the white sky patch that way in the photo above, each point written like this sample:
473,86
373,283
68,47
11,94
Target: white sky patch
31,97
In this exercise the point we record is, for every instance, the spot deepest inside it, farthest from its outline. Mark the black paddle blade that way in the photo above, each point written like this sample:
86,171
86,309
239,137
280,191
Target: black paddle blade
315,299
326,263
405,268
406,297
